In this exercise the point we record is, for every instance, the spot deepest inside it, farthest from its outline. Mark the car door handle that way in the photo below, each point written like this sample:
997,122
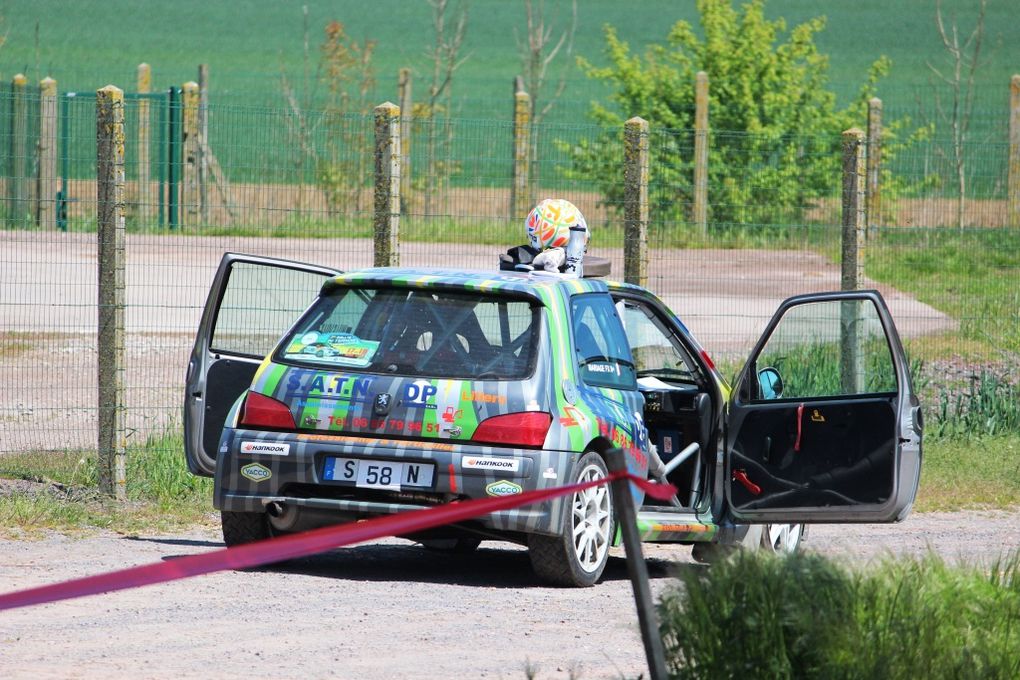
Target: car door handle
766,450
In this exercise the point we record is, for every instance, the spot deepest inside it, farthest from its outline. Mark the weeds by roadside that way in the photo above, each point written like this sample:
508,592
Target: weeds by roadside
806,617
57,491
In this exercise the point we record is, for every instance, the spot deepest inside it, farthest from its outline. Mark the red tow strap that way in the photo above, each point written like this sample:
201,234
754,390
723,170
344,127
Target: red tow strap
800,425
307,543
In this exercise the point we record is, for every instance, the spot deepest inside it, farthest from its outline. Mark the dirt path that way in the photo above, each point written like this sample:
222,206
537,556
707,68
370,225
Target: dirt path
384,610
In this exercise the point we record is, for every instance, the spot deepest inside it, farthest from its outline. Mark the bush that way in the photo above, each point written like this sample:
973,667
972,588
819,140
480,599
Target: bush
804,617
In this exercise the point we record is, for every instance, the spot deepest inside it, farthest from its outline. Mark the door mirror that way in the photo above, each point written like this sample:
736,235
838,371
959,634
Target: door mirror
770,383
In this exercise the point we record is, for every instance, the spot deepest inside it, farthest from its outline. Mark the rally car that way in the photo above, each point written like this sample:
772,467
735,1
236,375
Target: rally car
442,385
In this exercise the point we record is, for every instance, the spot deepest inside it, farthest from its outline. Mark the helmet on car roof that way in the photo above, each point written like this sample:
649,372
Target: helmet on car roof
548,224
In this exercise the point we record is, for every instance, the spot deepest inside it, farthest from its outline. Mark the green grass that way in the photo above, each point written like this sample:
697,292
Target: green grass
162,494
972,275
972,473
807,617
89,43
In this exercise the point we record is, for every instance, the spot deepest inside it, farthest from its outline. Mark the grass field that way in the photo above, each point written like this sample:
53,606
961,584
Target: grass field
88,43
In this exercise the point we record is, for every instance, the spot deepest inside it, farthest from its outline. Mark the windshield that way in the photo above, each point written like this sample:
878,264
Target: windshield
432,334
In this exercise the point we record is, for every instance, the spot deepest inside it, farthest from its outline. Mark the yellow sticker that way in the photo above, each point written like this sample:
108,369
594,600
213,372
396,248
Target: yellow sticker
817,417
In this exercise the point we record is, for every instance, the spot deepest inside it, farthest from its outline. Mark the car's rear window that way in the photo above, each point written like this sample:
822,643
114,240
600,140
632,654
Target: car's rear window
417,333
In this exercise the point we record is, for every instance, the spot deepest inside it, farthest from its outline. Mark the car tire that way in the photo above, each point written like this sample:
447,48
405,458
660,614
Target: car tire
776,539
244,527
578,557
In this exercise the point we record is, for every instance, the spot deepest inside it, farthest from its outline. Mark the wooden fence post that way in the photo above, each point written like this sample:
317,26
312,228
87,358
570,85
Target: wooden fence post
874,155
190,142
387,185
405,102
635,201
701,152
520,201
202,147
852,266
1013,181
17,182
110,336
142,131
46,187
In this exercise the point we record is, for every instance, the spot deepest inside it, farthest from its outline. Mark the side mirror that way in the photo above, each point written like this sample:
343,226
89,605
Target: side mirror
770,383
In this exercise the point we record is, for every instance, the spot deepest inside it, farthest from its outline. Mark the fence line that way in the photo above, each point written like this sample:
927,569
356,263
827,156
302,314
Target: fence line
302,184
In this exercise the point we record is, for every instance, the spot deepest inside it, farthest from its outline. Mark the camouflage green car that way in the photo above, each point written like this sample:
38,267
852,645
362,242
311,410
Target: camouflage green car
316,397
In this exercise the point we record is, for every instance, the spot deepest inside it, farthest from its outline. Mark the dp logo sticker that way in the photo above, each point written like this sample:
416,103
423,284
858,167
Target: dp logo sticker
256,472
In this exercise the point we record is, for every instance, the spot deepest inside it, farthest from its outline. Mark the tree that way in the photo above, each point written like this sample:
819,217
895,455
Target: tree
964,59
446,59
537,56
775,126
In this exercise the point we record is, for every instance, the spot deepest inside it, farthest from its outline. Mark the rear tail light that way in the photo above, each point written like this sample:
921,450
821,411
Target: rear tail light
517,429
262,411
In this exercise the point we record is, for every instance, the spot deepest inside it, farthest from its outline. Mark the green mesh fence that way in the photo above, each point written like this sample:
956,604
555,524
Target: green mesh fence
285,181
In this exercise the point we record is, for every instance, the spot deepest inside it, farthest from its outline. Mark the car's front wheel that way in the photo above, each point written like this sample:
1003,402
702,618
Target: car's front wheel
779,539
244,527
578,557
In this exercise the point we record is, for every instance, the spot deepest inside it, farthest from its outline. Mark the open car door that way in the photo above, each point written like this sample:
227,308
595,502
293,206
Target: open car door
252,303
823,425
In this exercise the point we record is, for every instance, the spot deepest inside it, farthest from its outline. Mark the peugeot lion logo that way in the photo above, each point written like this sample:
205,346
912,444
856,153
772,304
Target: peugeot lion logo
382,404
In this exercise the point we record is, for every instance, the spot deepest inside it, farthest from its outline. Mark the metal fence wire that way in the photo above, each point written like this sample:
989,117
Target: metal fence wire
204,178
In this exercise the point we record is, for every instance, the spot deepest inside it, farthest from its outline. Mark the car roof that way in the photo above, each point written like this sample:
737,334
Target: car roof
531,284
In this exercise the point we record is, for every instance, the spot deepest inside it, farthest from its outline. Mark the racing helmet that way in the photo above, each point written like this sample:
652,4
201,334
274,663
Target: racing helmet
549,224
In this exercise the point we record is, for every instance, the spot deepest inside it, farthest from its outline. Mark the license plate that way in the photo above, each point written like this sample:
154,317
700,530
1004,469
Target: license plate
378,474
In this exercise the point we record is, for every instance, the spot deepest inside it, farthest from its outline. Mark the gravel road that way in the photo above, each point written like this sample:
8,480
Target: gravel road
383,610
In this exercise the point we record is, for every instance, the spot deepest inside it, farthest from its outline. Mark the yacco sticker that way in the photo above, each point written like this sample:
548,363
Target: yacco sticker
503,488
256,472
266,448
480,463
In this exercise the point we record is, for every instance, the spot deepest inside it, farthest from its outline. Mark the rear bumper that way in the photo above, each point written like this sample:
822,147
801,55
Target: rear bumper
257,468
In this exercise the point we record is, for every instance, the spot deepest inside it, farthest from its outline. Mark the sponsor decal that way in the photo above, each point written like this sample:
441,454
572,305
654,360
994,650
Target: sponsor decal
549,473
480,463
256,472
418,393
482,397
601,368
450,415
336,387
503,488
266,448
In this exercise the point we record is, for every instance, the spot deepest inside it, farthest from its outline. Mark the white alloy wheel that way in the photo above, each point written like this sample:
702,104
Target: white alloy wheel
592,520
781,539
579,554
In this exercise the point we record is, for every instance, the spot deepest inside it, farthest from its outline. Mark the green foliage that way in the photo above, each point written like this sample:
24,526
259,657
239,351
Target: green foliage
780,149
975,472
805,617
161,492
988,405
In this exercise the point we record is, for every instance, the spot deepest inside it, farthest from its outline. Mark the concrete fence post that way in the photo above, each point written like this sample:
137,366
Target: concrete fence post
700,213
635,201
1013,181
17,182
46,187
852,267
874,154
387,185
202,147
520,200
190,146
142,131
405,102
110,294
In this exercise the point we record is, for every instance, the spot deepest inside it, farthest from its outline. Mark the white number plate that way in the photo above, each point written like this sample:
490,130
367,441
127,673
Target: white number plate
378,474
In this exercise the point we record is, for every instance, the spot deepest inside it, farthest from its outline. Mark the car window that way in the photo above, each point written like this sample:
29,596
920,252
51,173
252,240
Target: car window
432,334
600,345
655,350
833,348
259,304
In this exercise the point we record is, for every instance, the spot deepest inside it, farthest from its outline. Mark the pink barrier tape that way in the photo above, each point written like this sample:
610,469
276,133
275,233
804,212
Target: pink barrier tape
300,545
